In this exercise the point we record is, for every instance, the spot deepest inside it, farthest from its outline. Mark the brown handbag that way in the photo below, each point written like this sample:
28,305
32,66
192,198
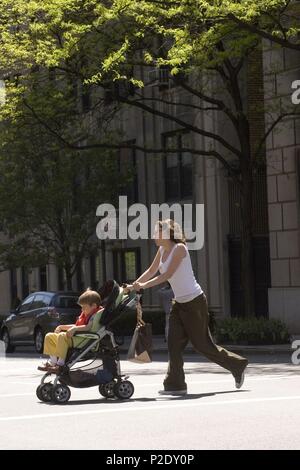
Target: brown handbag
140,349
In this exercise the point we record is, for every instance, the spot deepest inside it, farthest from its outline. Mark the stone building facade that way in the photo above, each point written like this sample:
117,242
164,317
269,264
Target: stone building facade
282,68
215,264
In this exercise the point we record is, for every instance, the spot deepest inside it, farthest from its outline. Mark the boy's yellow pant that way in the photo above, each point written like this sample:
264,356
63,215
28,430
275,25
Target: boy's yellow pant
57,344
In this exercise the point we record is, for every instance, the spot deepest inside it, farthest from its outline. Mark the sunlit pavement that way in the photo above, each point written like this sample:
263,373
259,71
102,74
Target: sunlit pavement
264,414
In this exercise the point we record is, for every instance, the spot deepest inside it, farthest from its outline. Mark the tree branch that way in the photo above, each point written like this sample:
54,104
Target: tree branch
76,147
184,125
264,34
274,124
211,100
174,103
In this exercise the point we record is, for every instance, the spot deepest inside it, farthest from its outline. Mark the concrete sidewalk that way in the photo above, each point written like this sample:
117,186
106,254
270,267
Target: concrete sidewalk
159,345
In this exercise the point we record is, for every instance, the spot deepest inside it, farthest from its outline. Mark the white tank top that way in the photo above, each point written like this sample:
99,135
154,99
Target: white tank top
183,282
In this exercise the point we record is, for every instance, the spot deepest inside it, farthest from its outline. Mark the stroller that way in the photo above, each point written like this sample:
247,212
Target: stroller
100,348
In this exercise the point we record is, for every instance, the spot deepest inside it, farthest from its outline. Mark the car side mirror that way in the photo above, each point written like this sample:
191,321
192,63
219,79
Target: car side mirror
14,311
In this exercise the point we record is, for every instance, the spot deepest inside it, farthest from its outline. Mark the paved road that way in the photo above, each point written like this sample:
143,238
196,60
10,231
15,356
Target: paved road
265,414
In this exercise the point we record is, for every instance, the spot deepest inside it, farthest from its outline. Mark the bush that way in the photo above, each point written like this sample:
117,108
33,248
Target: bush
251,331
230,330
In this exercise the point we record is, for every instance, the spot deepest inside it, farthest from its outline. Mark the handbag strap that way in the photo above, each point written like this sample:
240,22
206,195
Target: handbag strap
139,314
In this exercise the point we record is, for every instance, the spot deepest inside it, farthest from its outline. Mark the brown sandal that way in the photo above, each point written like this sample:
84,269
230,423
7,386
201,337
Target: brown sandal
44,367
55,369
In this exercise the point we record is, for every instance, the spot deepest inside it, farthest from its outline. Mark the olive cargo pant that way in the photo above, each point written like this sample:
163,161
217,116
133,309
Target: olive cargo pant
189,321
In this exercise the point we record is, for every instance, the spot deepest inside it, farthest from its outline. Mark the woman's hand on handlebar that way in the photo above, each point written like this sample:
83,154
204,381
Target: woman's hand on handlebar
138,286
127,287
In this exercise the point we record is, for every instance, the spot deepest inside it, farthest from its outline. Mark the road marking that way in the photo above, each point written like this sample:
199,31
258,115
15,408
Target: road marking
8,382
147,408
16,395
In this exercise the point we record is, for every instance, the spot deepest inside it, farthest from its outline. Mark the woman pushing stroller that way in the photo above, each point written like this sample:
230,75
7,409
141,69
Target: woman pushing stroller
189,315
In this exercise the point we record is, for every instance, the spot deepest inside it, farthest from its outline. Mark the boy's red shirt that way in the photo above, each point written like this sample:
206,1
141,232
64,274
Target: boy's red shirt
84,319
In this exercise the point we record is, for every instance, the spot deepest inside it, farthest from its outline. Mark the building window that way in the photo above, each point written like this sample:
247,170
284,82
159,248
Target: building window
178,166
128,173
260,240
127,265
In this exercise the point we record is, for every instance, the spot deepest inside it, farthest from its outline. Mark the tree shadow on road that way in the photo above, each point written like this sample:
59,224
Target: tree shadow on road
192,396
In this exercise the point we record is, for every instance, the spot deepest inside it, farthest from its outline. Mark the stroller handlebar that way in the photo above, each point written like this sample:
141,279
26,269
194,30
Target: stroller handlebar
130,288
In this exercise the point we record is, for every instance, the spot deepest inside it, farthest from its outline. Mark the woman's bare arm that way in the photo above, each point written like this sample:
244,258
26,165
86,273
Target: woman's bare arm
178,255
152,270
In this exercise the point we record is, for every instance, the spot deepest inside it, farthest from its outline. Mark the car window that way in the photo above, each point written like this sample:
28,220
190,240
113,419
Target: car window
26,305
47,299
40,301
66,301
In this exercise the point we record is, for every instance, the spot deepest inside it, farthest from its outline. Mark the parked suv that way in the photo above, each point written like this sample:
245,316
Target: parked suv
37,315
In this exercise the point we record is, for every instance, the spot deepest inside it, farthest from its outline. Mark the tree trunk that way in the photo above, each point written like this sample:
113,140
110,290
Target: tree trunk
69,282
247,248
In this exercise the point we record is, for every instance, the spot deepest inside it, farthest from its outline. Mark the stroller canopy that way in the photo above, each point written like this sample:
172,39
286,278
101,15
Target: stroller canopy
114,300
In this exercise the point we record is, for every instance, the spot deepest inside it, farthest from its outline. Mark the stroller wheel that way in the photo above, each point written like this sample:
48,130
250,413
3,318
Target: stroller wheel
124,390
43,392
60,393
107,390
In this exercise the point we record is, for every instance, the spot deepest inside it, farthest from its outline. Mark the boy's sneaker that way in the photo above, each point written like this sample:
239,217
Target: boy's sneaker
173,392
240,376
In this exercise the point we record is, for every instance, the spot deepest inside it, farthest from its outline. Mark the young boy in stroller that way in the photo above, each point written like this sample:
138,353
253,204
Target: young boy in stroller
93,340
57,344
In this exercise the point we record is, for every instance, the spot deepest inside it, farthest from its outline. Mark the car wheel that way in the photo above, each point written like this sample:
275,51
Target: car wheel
39,340
6,339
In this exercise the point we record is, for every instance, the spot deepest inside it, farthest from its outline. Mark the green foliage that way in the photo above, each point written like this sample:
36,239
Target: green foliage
92,44
251,331
49,192
51,32
98,41
50,189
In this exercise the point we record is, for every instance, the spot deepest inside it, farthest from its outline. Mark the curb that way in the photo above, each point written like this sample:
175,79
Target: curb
159,346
